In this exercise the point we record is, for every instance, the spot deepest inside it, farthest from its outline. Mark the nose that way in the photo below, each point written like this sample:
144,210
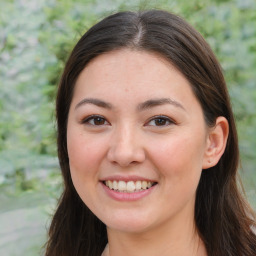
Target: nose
126,147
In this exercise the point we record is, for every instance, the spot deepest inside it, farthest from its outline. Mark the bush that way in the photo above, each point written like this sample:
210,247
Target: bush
35,40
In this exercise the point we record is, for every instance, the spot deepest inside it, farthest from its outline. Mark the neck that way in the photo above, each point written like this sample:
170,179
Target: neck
179,239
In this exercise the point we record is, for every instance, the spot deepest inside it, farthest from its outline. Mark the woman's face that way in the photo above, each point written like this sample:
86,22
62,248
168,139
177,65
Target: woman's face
136,141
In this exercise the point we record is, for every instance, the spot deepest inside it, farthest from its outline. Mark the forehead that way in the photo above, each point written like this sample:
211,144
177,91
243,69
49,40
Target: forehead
130,74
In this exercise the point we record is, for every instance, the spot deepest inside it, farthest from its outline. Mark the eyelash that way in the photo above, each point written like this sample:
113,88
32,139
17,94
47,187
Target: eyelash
93,118
160,118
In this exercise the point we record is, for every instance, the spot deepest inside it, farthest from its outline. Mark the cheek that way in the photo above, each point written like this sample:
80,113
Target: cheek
84,154
84,161
179,157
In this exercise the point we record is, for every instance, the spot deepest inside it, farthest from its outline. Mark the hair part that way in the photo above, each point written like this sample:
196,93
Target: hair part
222,216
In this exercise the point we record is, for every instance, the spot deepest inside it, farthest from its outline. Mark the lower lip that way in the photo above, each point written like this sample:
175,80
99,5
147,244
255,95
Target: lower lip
122,196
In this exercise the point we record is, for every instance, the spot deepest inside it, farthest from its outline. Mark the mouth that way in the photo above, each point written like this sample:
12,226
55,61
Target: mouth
129,186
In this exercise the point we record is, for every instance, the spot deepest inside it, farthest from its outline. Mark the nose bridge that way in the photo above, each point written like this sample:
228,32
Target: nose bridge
125,145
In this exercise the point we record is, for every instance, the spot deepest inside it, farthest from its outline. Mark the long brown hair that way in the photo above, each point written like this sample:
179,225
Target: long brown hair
223,218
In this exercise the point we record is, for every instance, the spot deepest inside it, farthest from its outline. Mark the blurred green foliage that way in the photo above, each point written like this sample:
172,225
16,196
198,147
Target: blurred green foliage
36,38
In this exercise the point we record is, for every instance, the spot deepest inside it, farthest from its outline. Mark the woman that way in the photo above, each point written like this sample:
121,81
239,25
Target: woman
147,145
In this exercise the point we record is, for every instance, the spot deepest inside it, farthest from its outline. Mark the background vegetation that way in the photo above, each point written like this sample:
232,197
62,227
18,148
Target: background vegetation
35,40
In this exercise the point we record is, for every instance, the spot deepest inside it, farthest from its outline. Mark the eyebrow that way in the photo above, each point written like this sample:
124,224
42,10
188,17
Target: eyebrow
142,106
159,102
97,102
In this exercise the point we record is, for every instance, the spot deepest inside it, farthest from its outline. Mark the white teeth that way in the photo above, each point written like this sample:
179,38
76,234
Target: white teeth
121,185
149,185
129,186
144,184
115,185
110,184
138,185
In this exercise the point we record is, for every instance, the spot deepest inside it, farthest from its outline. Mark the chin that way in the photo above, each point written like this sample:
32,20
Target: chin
128,223
128,227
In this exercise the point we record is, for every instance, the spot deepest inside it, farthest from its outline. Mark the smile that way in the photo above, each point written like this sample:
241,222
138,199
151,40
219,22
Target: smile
129,186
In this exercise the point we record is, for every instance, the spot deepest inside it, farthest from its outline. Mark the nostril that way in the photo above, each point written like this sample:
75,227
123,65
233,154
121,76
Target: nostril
126,156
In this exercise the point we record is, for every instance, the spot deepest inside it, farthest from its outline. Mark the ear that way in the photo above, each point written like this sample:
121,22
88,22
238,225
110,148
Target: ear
216,142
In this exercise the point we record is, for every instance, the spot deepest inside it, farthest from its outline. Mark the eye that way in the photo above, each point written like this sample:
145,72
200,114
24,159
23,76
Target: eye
160,121
95,120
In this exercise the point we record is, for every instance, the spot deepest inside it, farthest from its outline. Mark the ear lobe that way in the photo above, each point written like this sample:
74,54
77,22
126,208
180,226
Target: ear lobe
216,142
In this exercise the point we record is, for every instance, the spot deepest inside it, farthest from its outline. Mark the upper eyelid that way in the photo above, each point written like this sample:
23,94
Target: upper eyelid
161,116
168,119
88,118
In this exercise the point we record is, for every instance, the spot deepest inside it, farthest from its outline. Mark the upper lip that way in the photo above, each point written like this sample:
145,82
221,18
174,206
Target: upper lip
127,178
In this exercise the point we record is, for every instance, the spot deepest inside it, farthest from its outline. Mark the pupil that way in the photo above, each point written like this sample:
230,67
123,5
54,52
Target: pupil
99,121
160,121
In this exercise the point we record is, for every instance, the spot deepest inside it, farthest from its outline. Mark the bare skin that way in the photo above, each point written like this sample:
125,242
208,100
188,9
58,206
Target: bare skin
134,117
184,242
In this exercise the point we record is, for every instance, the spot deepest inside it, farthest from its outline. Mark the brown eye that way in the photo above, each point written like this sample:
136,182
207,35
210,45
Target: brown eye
95,120
98,121
160,121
